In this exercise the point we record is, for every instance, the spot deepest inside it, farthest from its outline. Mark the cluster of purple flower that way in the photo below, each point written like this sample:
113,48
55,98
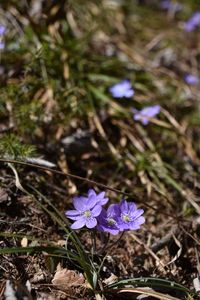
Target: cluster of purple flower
118,217
124,89
2,33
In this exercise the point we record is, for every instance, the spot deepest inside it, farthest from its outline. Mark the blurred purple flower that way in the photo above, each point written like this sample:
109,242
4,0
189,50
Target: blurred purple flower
122,89
130,216
85,213
191,79
169,5
2,45
146,113
2,30
107,220
193,22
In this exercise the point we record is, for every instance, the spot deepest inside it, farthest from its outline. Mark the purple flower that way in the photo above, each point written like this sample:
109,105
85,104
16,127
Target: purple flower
122,89
100,198
191,79
168,5
2,30
87,209
193,22
2,45
146,113
130,216
107,220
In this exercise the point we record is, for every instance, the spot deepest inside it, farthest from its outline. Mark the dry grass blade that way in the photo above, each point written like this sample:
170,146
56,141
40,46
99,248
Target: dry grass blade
103,134
17,180
178,252
190,197
147,292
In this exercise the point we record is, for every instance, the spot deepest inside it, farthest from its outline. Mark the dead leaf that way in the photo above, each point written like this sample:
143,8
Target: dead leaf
113,278
66,279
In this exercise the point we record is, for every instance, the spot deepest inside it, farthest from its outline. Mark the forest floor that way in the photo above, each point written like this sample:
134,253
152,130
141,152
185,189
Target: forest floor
62,133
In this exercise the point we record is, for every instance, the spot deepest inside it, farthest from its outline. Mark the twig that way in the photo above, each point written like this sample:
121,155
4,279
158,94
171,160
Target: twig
5,160
63,173
149,251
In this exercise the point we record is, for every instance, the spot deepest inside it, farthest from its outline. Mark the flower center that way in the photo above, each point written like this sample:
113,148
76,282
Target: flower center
111,221
126,218
87,213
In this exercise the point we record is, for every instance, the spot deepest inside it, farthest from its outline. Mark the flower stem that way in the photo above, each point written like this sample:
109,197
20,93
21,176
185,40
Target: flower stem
93,240
114,243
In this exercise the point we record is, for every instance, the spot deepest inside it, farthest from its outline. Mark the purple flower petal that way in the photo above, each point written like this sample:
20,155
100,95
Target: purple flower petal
72,214
137,213
91,192
91,202
123,226
79,223
101,195
96,210
110,229
91,222
113,210
132,207
100,198
134,225
80,203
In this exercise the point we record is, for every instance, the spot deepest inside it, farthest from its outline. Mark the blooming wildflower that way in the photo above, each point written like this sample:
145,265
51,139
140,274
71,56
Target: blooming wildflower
107,220
130,216
100,198
122,89
193,22
85,213
146,113
168,5
191,79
